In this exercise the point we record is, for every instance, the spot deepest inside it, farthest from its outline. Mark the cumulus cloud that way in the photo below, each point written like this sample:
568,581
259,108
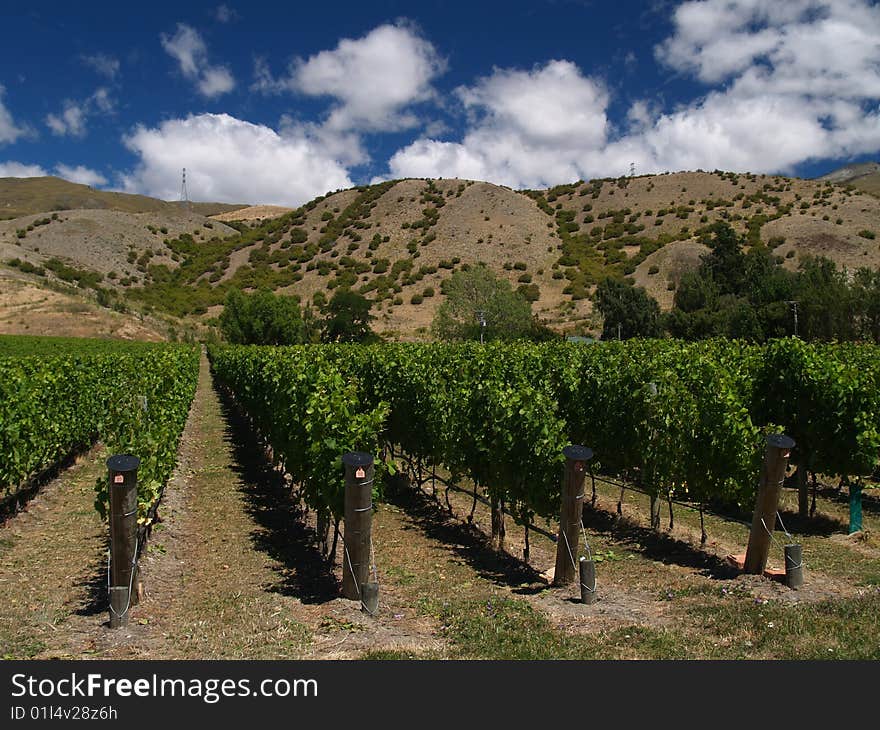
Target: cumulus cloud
801,80
73,119
80,174
102,63
18,169
188,48
9,130
529,128
785,83
808,47
231,160
374,80
215,81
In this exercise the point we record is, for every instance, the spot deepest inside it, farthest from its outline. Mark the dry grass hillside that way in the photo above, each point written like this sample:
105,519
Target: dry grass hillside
27,195
253,213
106,241
397,242
27,308
863,176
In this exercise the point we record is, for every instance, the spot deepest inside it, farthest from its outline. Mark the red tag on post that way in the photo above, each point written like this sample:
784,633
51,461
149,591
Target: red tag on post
360,473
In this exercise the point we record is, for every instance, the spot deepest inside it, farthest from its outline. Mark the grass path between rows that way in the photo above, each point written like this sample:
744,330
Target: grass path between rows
51,558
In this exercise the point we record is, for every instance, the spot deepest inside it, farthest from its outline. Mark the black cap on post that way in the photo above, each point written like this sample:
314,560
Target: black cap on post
123,463
357,458
780,441
577,453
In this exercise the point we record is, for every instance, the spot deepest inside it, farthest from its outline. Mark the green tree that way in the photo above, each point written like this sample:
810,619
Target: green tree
866,286
725,262
507,314
347,318
262,318
826,302
695,291
627,310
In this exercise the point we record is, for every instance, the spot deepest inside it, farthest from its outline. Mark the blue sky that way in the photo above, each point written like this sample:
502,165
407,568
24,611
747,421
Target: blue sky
279,102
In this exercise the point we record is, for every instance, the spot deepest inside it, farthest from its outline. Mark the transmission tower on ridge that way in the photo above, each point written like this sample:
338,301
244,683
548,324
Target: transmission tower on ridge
184,197
632,169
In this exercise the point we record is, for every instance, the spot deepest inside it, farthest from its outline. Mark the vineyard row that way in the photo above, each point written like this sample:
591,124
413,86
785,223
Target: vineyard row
681,420
132,398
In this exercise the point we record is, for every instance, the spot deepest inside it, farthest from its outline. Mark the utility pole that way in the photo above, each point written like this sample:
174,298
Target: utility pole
481,318
184,196
794,306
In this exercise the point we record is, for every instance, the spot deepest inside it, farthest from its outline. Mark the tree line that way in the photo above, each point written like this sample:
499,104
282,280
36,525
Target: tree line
747,295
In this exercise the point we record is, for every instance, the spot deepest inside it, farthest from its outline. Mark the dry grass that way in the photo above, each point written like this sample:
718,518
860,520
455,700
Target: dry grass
27,196
253,213
28,309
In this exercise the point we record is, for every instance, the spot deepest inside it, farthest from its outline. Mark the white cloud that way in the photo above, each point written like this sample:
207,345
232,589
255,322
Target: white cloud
72,120
529,128
799,46
102,63
18,169
189,50
80,174
374,79
102,99
215,81
225,14
9,131
230,160
787,83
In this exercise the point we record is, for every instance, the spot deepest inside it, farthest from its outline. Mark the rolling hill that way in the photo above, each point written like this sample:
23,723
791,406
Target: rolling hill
863,176
21,196
399,240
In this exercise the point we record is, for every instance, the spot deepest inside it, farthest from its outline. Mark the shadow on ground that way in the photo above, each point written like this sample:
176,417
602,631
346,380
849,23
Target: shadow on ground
283,535
463,539
97,599
659,546
870,502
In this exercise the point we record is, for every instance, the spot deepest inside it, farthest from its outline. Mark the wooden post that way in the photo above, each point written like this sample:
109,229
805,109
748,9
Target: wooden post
576,458
358,522
122,469
776,456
